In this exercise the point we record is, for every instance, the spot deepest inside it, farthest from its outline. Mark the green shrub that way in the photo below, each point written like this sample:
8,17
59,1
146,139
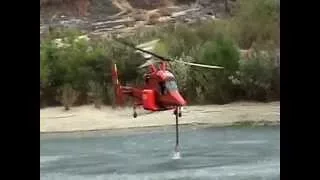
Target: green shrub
71,61
256,21
215,83
178,40
256,76
182,74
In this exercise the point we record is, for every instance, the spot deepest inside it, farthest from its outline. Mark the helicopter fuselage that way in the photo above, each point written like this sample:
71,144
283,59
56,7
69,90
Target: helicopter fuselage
160,91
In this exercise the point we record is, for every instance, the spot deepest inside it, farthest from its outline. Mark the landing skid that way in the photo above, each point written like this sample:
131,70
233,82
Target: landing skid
135,115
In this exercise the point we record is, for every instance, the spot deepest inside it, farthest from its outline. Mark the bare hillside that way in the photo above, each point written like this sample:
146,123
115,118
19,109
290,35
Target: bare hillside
100,17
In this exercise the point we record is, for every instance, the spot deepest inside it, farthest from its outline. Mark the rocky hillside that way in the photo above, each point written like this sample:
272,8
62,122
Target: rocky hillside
102,17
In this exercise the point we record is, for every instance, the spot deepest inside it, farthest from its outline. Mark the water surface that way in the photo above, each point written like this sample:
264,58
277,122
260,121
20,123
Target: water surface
206,153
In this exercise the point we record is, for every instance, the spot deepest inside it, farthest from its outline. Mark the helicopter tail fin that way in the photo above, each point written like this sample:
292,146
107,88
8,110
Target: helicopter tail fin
117,86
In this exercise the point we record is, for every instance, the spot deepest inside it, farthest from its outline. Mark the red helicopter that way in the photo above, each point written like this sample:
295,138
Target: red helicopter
160,91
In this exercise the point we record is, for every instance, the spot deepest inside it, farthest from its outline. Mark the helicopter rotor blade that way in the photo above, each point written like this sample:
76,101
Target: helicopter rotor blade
144,51
147,46
149,62
199,65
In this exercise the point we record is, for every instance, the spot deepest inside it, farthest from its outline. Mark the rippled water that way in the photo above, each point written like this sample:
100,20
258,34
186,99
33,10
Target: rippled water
206,153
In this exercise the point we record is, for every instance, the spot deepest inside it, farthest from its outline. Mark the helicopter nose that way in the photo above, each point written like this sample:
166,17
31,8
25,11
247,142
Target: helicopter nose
178,98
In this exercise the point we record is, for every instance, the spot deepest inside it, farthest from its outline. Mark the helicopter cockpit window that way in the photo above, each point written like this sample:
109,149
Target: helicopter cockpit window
171,85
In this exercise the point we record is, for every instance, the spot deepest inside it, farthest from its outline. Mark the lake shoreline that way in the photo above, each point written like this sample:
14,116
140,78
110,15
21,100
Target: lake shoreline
88,119
152,128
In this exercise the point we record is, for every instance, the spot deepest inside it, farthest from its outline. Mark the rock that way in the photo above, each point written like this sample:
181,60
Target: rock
119,26
43,29
165,19
203,18
187,20
73,23
102,30
165,12
114,22
140,24
140,17
153,18
174,15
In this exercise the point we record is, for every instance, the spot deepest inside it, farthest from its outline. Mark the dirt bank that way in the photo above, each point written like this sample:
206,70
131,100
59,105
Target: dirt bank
87,118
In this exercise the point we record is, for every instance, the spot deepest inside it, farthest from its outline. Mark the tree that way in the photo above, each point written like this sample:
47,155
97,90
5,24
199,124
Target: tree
67,96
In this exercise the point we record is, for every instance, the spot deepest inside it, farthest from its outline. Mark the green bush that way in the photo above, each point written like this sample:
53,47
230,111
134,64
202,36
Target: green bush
178,40
182,74
256,21
256,75
216,85
70,61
